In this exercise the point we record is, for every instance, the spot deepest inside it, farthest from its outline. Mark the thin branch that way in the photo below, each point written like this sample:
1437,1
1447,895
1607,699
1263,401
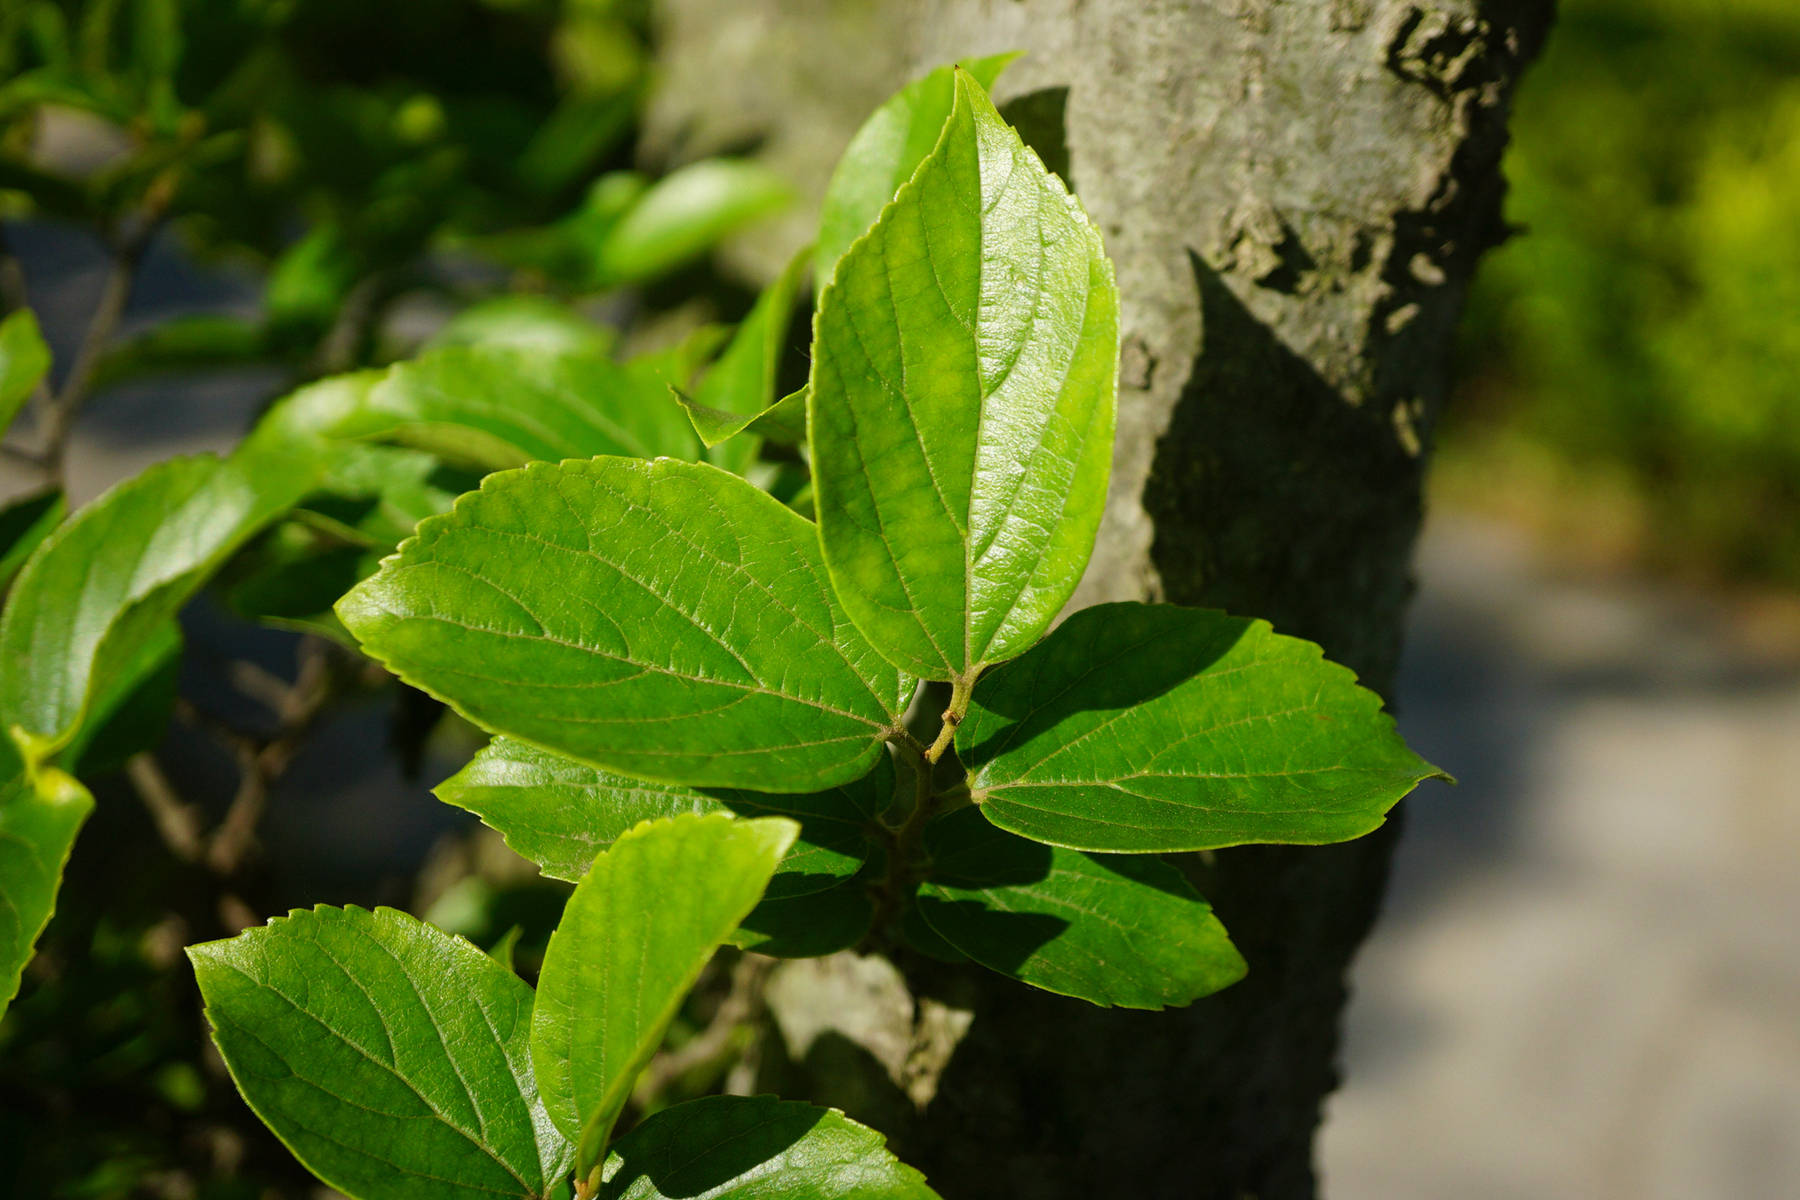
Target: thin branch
715,1044
262,761
177,823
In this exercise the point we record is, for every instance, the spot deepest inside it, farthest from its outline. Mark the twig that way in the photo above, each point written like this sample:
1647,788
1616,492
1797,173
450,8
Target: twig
262,761
742,1004
176,822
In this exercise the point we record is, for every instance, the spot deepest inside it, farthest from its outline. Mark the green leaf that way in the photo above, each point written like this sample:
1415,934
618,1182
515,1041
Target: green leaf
783,421
743,379
664,620
1148,727
389,1056
535,323
756,1148
503,406
810,924
963,390
131,709
560,813
374,495
109,578
291,579
38,824
887,150
1112,929
24,523
633,939
24,361
684,213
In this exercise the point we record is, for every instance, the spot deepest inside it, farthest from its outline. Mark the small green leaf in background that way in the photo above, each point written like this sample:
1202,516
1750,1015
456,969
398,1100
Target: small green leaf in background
24,360
637,931
683,214
664,620
526,322
1113,929
963,390
38,824
1150,727
106,580
887,150
389,1056
560,813
783,422
743,380
756,1148
23,524
502,406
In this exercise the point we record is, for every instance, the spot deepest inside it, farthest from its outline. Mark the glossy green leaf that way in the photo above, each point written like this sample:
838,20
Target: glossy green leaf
1112,929
887,150
811,924
1149,727
784,421
963,391
389,1056
633,939
24,361
664,620
110,577
560,813
683,214
38,824
502,406
756,1148
24,523
374,495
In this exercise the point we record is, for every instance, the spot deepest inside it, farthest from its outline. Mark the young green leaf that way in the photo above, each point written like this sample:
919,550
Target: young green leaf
1112,929
742,381
633,939
682,214
784,421
560,813
389,1056
887,150
963,389
24,361
535,323
503,406
38,823
1149,727
104,582
664,620
756,1148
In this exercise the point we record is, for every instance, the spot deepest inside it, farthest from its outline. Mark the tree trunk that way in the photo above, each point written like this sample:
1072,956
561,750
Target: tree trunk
1295,193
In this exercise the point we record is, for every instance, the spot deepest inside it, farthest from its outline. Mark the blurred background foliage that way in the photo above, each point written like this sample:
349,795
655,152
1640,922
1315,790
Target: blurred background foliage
1634,354
375,175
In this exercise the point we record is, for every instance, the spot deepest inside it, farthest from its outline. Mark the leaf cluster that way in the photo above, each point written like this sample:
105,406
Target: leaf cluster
783,672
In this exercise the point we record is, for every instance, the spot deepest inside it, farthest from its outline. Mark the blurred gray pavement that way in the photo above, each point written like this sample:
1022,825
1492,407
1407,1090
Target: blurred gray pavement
1586,982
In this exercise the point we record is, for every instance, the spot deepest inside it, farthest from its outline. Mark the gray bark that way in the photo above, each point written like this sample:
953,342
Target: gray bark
1295,193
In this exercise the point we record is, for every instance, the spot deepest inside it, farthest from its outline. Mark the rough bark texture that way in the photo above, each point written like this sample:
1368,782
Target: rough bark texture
1295,193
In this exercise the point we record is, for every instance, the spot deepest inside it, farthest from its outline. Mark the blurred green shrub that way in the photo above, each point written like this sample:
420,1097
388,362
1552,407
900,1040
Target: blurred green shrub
1646,325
